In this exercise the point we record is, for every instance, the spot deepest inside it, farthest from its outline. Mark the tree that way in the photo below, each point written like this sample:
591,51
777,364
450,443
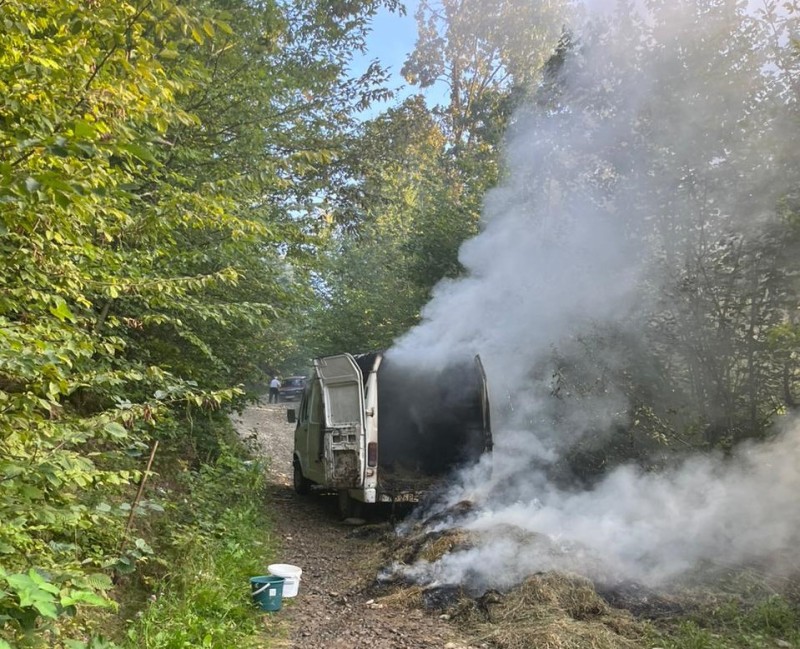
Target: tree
681,137
481,52
155,159
378,274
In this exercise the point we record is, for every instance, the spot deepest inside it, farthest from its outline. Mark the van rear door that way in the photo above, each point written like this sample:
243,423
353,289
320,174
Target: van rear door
343,434
488,442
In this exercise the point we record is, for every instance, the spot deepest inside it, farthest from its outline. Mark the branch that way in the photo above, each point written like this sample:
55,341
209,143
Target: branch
108,54
87,85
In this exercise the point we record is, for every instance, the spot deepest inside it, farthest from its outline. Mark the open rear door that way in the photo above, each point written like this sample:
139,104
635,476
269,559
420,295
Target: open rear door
485,410
344,441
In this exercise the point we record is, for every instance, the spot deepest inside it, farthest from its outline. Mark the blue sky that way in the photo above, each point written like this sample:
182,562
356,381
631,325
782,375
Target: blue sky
392,38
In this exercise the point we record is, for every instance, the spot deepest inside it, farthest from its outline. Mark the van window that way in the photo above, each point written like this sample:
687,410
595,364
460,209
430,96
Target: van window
315,405
344,403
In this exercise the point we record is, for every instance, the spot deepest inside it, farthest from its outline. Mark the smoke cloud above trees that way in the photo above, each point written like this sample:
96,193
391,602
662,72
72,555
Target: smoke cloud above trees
630,295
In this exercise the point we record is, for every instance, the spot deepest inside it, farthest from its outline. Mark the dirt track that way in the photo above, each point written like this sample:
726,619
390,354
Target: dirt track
335,607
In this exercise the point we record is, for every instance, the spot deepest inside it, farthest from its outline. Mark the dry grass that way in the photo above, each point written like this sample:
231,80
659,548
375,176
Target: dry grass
429,546
404,598
561,610
372,557
556,632
436,547
549,611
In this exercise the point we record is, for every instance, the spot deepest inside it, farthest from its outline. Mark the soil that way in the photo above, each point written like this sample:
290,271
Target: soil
337,604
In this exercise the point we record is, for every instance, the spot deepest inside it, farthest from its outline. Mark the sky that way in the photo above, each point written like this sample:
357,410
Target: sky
390,41
393,37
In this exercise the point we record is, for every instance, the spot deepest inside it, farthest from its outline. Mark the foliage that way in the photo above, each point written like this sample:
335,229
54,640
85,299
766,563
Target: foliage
380,270
715,359
159,164
418,175
85,95
697,173
480,51
218,542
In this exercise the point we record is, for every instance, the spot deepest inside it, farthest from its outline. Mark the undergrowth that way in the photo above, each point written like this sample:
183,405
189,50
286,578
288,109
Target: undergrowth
220,535
770,623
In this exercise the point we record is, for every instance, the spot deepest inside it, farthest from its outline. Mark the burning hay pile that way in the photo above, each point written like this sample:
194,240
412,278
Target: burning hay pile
548,610
426,548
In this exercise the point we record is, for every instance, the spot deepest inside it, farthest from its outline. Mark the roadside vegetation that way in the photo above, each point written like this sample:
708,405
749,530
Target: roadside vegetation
215,535
774,622
159,166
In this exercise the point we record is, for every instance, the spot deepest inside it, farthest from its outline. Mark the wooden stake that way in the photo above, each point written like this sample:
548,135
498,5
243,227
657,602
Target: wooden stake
138,497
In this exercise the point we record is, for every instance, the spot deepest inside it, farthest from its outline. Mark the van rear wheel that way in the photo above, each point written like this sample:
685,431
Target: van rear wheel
302,485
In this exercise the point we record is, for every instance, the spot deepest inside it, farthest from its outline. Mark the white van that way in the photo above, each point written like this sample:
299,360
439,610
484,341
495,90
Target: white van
377,431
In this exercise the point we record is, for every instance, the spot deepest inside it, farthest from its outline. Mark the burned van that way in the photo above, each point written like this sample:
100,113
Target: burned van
376,430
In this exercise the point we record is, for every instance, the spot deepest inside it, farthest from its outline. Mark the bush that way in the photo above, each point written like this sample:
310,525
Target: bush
221,537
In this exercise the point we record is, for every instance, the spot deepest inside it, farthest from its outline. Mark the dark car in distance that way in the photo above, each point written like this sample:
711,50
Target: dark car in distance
291,388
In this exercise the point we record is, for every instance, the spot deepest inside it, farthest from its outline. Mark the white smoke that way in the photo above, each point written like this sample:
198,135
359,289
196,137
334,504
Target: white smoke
646,526
566,250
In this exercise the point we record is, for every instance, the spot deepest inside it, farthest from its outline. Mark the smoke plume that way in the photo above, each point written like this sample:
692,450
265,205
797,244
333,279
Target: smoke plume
653,135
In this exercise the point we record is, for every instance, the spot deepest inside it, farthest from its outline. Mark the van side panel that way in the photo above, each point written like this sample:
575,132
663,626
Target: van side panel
308,438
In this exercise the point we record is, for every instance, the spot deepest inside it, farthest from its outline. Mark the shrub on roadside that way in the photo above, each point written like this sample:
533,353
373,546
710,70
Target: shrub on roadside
221,537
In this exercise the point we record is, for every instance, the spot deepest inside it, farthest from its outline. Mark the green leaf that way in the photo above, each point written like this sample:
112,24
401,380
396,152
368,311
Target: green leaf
61,310
142,545
41,582
138,151
20,581
46,609
74,644
83,129
117,431
99,581
84,597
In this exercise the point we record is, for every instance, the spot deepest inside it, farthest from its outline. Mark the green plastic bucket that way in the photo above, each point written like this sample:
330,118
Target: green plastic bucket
267,592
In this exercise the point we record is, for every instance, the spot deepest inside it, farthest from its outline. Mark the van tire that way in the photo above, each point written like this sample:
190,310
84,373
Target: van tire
302,485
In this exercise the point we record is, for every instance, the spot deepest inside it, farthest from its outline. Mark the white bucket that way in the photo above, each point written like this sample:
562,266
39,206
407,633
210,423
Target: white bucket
291,575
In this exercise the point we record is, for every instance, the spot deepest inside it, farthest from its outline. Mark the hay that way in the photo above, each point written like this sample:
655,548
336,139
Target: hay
549,611
404,598
430,546
437,546
573,594
558,632
552,610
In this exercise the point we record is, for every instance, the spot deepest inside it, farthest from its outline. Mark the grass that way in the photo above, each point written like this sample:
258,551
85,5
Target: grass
220,537
771,623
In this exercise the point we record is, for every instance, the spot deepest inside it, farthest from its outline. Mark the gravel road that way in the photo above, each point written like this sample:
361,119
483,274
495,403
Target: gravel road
334,608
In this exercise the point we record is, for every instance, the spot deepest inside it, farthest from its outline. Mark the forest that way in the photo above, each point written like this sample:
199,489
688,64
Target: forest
196,195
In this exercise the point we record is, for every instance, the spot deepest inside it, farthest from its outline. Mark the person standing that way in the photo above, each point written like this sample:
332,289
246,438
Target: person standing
274,384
